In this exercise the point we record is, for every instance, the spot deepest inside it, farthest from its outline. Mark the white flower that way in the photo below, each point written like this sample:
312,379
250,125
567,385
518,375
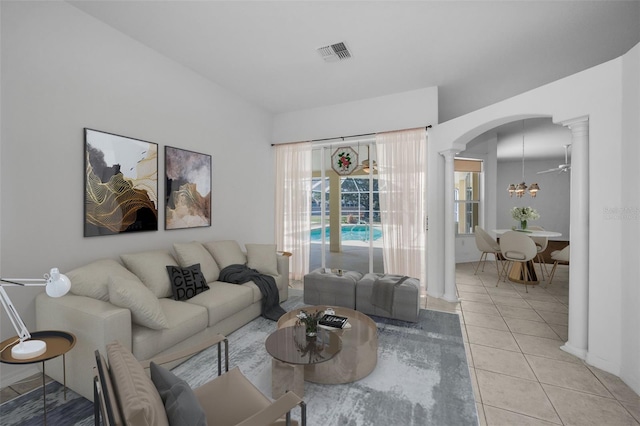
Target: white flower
524,213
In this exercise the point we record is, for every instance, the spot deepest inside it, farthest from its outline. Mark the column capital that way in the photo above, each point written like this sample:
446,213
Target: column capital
449,153
576,122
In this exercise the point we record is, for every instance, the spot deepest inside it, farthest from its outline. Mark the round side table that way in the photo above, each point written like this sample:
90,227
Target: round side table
58,343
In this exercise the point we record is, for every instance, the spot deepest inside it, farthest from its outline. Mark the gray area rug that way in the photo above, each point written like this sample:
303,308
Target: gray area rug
421,378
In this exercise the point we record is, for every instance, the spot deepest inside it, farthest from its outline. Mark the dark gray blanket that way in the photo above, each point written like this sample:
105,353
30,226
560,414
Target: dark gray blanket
240,274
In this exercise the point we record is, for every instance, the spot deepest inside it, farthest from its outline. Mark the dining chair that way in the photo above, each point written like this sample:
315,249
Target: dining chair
486,244
517,247
558,256
541,246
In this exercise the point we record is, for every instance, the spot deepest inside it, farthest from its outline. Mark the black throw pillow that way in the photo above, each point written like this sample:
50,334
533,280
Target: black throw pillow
186,282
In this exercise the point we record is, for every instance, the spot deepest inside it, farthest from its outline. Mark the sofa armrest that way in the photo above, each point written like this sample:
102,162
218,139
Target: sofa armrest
188,352
95,323
282,280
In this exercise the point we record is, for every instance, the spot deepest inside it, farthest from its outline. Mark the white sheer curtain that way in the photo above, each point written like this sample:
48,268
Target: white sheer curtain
293,204
402,170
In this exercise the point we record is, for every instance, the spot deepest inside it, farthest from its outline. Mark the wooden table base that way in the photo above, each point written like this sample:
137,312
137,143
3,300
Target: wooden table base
517,273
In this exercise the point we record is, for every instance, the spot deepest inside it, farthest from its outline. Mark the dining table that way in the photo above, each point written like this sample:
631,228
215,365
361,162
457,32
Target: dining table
517,272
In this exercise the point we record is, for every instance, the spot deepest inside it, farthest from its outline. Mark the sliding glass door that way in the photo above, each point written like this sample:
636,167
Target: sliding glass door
345,211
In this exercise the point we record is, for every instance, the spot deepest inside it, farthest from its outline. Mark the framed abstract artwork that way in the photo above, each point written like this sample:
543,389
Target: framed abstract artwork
121,184
187,189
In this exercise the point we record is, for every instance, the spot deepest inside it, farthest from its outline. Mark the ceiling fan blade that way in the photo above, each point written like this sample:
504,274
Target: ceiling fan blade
549,171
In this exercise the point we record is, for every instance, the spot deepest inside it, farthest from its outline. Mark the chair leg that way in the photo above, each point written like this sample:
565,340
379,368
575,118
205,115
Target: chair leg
553,272
484,254
497,268
505,267
543,266
526,276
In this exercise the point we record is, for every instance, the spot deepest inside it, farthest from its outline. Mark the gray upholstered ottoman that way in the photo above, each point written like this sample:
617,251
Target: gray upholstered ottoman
326,288
406,298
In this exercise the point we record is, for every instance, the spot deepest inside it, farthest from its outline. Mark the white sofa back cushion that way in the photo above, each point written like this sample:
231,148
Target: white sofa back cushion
143,304
263,258
92,279
192,253
151,268
226,253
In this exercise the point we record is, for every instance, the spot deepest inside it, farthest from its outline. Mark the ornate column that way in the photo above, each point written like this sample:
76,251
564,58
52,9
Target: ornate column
449,227
578,343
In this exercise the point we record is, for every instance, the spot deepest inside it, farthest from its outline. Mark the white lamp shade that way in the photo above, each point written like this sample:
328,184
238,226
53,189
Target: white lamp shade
57,284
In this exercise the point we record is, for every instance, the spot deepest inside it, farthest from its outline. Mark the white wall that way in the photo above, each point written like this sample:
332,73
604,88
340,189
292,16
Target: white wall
597,94
630,220
552,202
62,70
399,111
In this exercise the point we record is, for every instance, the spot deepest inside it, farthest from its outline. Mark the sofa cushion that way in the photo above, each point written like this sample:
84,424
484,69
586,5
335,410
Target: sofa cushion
185,320
140,401
263,258
223,300
150,267
180,403
226,253
186,282
194,252
133,295
92,280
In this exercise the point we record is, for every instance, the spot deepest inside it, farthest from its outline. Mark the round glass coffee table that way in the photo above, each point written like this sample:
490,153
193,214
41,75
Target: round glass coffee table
292,351
358,356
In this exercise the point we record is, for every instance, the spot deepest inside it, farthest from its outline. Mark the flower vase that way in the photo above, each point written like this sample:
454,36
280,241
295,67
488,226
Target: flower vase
523,225
311,329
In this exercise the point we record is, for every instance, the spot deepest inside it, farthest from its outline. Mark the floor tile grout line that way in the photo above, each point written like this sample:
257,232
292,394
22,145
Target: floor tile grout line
525,415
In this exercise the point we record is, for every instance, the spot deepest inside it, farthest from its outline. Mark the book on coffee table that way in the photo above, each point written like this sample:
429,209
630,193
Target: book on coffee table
333,321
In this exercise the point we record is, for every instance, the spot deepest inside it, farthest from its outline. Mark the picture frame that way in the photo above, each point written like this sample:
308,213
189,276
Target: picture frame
121,184
187,188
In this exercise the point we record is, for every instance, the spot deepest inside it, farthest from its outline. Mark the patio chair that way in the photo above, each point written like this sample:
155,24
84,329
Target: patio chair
125,395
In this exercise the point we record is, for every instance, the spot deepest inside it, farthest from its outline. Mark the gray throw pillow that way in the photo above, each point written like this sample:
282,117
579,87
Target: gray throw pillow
180,402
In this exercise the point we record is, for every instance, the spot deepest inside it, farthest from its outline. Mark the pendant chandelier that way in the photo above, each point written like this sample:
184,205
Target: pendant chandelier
521,188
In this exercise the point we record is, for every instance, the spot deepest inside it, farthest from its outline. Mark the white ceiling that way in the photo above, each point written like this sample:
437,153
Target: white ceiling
476,52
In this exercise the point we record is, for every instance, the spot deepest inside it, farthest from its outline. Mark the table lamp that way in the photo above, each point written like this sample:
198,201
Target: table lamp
57,285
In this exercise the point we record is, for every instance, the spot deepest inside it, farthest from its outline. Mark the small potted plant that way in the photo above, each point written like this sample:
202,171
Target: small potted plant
310,322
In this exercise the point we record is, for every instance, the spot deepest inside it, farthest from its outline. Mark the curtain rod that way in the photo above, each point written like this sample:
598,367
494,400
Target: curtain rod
339,137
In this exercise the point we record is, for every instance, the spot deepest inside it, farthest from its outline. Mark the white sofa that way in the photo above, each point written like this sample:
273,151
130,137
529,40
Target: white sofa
132,302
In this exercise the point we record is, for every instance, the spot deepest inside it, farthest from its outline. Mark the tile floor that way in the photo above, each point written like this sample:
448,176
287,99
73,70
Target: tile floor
519,373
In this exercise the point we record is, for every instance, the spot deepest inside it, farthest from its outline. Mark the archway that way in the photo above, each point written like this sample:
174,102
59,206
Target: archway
450,138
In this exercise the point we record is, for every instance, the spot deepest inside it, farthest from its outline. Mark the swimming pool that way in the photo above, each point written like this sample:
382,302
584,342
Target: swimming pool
349,233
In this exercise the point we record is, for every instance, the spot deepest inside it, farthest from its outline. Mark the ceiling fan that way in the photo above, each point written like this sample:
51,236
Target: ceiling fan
562,168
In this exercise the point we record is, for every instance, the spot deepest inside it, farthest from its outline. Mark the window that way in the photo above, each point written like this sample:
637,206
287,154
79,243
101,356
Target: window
467,194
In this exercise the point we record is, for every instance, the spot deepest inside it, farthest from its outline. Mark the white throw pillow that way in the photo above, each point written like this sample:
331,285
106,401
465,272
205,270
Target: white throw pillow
151,268
194,253
144,306
263,258
92,279
226,253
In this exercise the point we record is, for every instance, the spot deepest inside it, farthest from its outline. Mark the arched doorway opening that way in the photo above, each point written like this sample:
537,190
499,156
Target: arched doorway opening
451,140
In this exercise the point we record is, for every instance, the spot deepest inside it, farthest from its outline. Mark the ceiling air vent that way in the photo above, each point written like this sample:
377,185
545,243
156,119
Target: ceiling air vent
334,52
